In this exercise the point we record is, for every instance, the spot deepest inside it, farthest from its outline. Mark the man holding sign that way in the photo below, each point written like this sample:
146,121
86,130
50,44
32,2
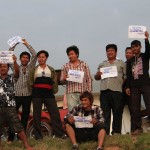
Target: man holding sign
138,82
23,89
76,75
85,122
111,72
8,114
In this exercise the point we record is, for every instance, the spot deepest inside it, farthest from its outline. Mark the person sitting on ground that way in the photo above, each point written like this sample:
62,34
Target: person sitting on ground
96,128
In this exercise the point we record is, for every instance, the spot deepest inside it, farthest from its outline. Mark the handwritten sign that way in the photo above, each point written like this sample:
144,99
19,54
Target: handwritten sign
14,40
6,57
108,72
136,31
75,76
83,122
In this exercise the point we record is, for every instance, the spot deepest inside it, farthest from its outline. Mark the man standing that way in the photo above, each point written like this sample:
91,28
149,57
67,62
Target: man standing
111,89
22,88
126,98
74,88
138,82
8,113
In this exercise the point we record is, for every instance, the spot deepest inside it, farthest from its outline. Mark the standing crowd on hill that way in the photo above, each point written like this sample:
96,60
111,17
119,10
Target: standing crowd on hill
121,83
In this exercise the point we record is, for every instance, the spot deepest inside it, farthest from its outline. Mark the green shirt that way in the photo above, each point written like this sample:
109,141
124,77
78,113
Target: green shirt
113,83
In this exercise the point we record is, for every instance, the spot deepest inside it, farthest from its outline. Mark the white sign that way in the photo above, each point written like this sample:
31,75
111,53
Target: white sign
6,57
75,76
108,72
83,122
136,31
14,40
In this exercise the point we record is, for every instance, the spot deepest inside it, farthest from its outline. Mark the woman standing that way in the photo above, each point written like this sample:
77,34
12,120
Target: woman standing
44,82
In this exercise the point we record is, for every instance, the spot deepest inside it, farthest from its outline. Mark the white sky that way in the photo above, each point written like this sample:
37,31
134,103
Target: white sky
54,25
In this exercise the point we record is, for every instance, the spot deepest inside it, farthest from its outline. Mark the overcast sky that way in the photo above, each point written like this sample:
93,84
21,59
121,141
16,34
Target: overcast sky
54,25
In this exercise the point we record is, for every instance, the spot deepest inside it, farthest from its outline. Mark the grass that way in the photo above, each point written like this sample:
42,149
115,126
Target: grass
115,142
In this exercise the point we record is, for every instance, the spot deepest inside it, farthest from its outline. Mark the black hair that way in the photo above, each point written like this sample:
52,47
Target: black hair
25,53
43,51
88,95
113,46
128,48
8,65
135,42
73,48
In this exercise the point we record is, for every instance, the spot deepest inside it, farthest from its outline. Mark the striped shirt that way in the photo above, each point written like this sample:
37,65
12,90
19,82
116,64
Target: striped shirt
22,88
95,112
74,87
115,83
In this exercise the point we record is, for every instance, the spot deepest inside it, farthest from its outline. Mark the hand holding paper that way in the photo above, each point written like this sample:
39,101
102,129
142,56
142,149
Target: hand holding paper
135,31
6,57
14,40
83,122
75,76
108,72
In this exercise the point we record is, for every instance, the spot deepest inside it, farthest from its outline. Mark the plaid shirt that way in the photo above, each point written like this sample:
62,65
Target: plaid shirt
74,87
95,112
22,88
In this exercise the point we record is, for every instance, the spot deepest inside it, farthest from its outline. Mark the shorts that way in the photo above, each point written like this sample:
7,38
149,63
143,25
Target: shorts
87,134
9,117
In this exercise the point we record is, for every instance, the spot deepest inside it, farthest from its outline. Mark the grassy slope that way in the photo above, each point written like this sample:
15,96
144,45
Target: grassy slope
116,142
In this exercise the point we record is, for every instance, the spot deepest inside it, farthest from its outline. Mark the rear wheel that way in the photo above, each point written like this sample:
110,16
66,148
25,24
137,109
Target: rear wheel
45,129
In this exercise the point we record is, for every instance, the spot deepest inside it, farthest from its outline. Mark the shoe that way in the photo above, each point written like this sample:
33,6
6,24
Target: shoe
75,147
64,136
99,148
137,132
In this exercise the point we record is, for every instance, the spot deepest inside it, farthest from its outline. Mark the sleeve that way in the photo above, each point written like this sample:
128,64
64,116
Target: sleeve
124,70
63,72
33,57
100,117
128,73
88,78
147,49
55,82
73,112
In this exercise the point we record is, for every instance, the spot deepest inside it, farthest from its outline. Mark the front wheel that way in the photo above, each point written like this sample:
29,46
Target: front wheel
45,129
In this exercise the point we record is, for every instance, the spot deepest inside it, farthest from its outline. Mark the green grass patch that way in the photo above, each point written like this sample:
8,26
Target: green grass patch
115,142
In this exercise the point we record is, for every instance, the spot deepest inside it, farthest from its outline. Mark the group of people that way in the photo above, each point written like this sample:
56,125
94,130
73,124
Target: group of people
38,84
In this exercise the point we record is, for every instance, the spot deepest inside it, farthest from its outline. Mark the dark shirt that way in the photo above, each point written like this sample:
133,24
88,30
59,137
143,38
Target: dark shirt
7,92
143,79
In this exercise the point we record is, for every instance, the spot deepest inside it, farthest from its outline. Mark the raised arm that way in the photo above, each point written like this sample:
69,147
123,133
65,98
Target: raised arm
15,67
32,51
147,46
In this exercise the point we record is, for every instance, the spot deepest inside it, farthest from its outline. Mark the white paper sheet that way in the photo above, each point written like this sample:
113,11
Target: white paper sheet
75,76
83,122
6,57
108,72
135,31
14,40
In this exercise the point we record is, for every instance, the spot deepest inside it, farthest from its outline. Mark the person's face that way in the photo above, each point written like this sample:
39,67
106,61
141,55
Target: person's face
4,69
86,103
72,56
42,59
129,54
24,60
136,49
111,54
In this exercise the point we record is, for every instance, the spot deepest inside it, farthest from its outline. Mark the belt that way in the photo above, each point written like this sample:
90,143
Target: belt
46,86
